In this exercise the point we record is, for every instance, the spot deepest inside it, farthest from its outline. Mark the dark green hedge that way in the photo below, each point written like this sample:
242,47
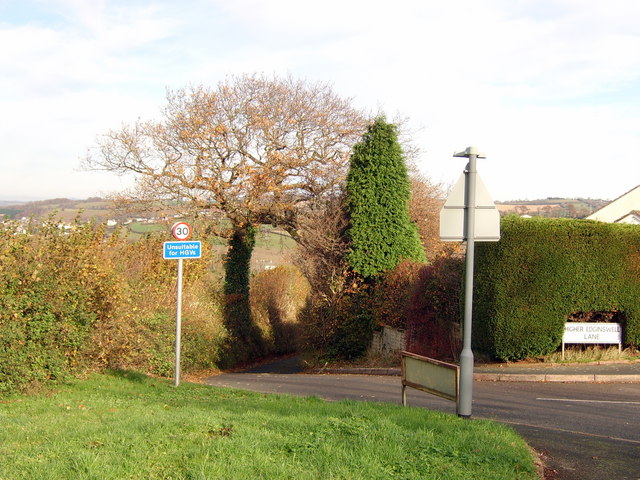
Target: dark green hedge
541,271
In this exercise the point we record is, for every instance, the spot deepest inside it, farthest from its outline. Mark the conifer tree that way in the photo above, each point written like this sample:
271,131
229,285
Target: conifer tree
380,231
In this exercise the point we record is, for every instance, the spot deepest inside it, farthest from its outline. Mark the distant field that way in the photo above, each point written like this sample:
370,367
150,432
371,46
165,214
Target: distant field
273,248
102,205
100,209
138,227
273,245
552,207
516,207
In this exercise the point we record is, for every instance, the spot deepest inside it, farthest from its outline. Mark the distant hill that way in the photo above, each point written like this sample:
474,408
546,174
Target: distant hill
100,209
65,208
272,245
554,207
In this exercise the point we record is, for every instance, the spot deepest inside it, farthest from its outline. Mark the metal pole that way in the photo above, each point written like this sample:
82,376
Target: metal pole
466,356
176,381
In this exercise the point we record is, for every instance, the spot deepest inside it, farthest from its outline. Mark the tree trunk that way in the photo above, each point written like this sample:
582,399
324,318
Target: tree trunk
245,340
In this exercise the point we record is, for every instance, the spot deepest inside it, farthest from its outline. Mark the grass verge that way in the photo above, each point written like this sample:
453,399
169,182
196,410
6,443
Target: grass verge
590,353
126,425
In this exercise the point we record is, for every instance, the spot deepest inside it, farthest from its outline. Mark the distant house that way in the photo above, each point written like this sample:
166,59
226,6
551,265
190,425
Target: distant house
632,218
624,209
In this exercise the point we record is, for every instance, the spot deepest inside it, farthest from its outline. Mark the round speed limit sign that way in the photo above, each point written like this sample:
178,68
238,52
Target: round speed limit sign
181,231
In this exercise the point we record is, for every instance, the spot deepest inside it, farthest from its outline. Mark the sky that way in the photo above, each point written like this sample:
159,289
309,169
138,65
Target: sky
548,90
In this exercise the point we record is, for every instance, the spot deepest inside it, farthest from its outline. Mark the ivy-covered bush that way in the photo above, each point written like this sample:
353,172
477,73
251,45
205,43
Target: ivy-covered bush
544,270
244,342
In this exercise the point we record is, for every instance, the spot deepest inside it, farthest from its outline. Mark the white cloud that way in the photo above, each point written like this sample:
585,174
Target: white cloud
546,88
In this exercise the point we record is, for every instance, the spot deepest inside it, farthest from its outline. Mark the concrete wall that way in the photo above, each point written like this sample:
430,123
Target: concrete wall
388,341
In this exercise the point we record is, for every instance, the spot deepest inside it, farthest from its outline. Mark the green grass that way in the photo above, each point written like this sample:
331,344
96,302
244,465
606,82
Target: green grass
271,238
137,227
267,238
126,425
590,353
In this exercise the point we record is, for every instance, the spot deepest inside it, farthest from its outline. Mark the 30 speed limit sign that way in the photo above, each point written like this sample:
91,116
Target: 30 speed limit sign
181,231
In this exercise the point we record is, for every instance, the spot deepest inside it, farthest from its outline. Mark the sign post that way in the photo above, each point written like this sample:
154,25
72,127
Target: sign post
178,251
176,376
468,215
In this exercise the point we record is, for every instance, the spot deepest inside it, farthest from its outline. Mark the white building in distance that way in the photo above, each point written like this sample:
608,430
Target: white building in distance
624,209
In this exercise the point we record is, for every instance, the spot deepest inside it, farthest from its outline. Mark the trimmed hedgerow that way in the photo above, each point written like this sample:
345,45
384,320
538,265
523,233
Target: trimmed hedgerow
542,271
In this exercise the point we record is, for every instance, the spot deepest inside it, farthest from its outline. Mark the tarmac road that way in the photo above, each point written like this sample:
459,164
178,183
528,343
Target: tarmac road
586,431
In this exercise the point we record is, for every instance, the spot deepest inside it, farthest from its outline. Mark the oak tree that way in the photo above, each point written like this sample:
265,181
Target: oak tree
253,150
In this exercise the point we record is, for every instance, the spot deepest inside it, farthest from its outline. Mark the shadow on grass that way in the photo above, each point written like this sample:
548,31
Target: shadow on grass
128,375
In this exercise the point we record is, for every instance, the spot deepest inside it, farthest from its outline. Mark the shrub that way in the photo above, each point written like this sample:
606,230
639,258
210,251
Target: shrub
354,329
544,270
139,331
422,299
78,299
318,323
277,296
433,321
392,294
339,326
54,284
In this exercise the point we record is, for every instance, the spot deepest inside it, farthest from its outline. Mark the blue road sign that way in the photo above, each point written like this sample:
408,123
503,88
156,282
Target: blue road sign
178,250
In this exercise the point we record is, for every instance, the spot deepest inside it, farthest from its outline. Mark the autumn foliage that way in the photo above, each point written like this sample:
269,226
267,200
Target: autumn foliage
424,301
392,296
277,297
434,314
79,299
